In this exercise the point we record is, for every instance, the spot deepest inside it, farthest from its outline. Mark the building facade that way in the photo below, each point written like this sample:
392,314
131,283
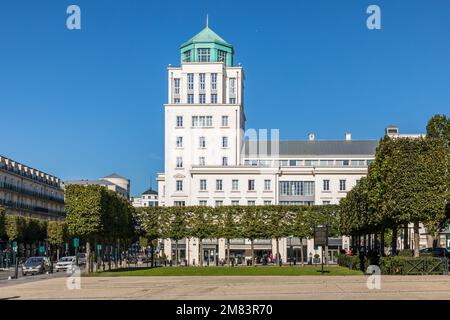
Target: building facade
147,199
113,182
30,192
212,159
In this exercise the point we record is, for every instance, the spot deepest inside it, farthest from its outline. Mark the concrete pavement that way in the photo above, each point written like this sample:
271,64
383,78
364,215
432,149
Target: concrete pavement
236,288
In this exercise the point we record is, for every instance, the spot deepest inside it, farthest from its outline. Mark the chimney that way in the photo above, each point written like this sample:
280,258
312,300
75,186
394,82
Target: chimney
348,136
312,136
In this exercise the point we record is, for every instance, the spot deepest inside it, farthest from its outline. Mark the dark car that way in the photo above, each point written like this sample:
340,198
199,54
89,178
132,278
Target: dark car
441,252
36,265
426,250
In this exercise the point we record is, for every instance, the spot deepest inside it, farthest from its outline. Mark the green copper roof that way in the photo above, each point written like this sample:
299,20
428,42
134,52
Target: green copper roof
207,36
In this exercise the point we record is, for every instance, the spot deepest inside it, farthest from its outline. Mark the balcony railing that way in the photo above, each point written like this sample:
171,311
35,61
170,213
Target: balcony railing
28,175
8,186
23,206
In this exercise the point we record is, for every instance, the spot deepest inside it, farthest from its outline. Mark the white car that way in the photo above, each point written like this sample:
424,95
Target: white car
66,263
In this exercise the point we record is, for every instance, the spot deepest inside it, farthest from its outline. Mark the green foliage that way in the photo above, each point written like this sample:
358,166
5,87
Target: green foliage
406,253
15,227
56,233
94,211
2,223
439,127
399,265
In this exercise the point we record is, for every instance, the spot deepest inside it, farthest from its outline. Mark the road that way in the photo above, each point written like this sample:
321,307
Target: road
232,288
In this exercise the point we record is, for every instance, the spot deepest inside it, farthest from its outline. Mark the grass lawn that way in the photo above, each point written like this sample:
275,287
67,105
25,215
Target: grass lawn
230,271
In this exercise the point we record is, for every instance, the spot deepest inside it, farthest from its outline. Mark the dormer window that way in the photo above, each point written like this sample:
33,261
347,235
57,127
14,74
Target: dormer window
187,56
204,54
221,56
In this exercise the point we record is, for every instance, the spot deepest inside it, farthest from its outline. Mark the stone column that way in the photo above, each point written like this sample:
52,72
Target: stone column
222,249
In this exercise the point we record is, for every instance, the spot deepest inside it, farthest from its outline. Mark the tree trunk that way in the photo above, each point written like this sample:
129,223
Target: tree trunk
228,251
375,242
405,237
88,258
278,251
252,250
301,252
176,252
416,239
394,239
152,255
200,249
382,242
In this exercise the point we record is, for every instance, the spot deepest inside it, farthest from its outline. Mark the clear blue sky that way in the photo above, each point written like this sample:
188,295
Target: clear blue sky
84,104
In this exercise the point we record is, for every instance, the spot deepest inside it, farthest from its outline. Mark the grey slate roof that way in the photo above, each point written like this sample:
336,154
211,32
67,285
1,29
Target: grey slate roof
115,175
90,182
313,148
150,191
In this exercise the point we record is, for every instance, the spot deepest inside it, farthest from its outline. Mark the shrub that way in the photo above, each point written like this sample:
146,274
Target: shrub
401,265
406,253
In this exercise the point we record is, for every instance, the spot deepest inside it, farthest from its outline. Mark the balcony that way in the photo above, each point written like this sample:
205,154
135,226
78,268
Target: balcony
10,187
33,209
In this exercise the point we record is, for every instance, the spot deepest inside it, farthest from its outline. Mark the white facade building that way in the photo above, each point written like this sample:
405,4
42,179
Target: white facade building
113,182
209,161
147,199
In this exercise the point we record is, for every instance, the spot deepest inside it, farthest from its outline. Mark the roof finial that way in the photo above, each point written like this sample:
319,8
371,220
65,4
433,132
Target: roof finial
207,21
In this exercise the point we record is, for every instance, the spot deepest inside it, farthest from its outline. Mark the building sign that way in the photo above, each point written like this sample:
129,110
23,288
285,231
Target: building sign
321,235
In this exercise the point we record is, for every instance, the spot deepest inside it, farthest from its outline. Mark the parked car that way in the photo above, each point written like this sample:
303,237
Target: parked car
426,251
441,252
82,259
36,265
65,263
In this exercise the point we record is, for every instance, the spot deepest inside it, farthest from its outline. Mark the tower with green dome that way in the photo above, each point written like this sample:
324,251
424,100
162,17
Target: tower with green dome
207,46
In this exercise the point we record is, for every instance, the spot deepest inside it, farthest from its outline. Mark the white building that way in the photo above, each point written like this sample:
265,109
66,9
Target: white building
113,182
147,199
30,192
209,161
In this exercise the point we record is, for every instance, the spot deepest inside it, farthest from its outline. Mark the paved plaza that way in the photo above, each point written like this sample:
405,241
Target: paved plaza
236,288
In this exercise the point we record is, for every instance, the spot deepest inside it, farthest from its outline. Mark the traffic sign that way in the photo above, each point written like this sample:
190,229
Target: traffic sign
99,247
14,246
76,242
321,235
41,249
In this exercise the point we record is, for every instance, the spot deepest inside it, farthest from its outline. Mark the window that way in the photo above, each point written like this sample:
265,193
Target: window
219,185
232,86
311,163
203,203
179,203
221,56
202,81
201,161
190,77
235,202
225,161
179,185
224,142
342,162
232,100
214,98
224,121
219,203
176,85
176,100
202,98
187,56
179,142
326,163
297,188
235,185
251,185
179,121
342,185
204,54
213,81
325,202
201,121
251,203
202,142
179,162
267,202
190,98
267,185
326,185
202,185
